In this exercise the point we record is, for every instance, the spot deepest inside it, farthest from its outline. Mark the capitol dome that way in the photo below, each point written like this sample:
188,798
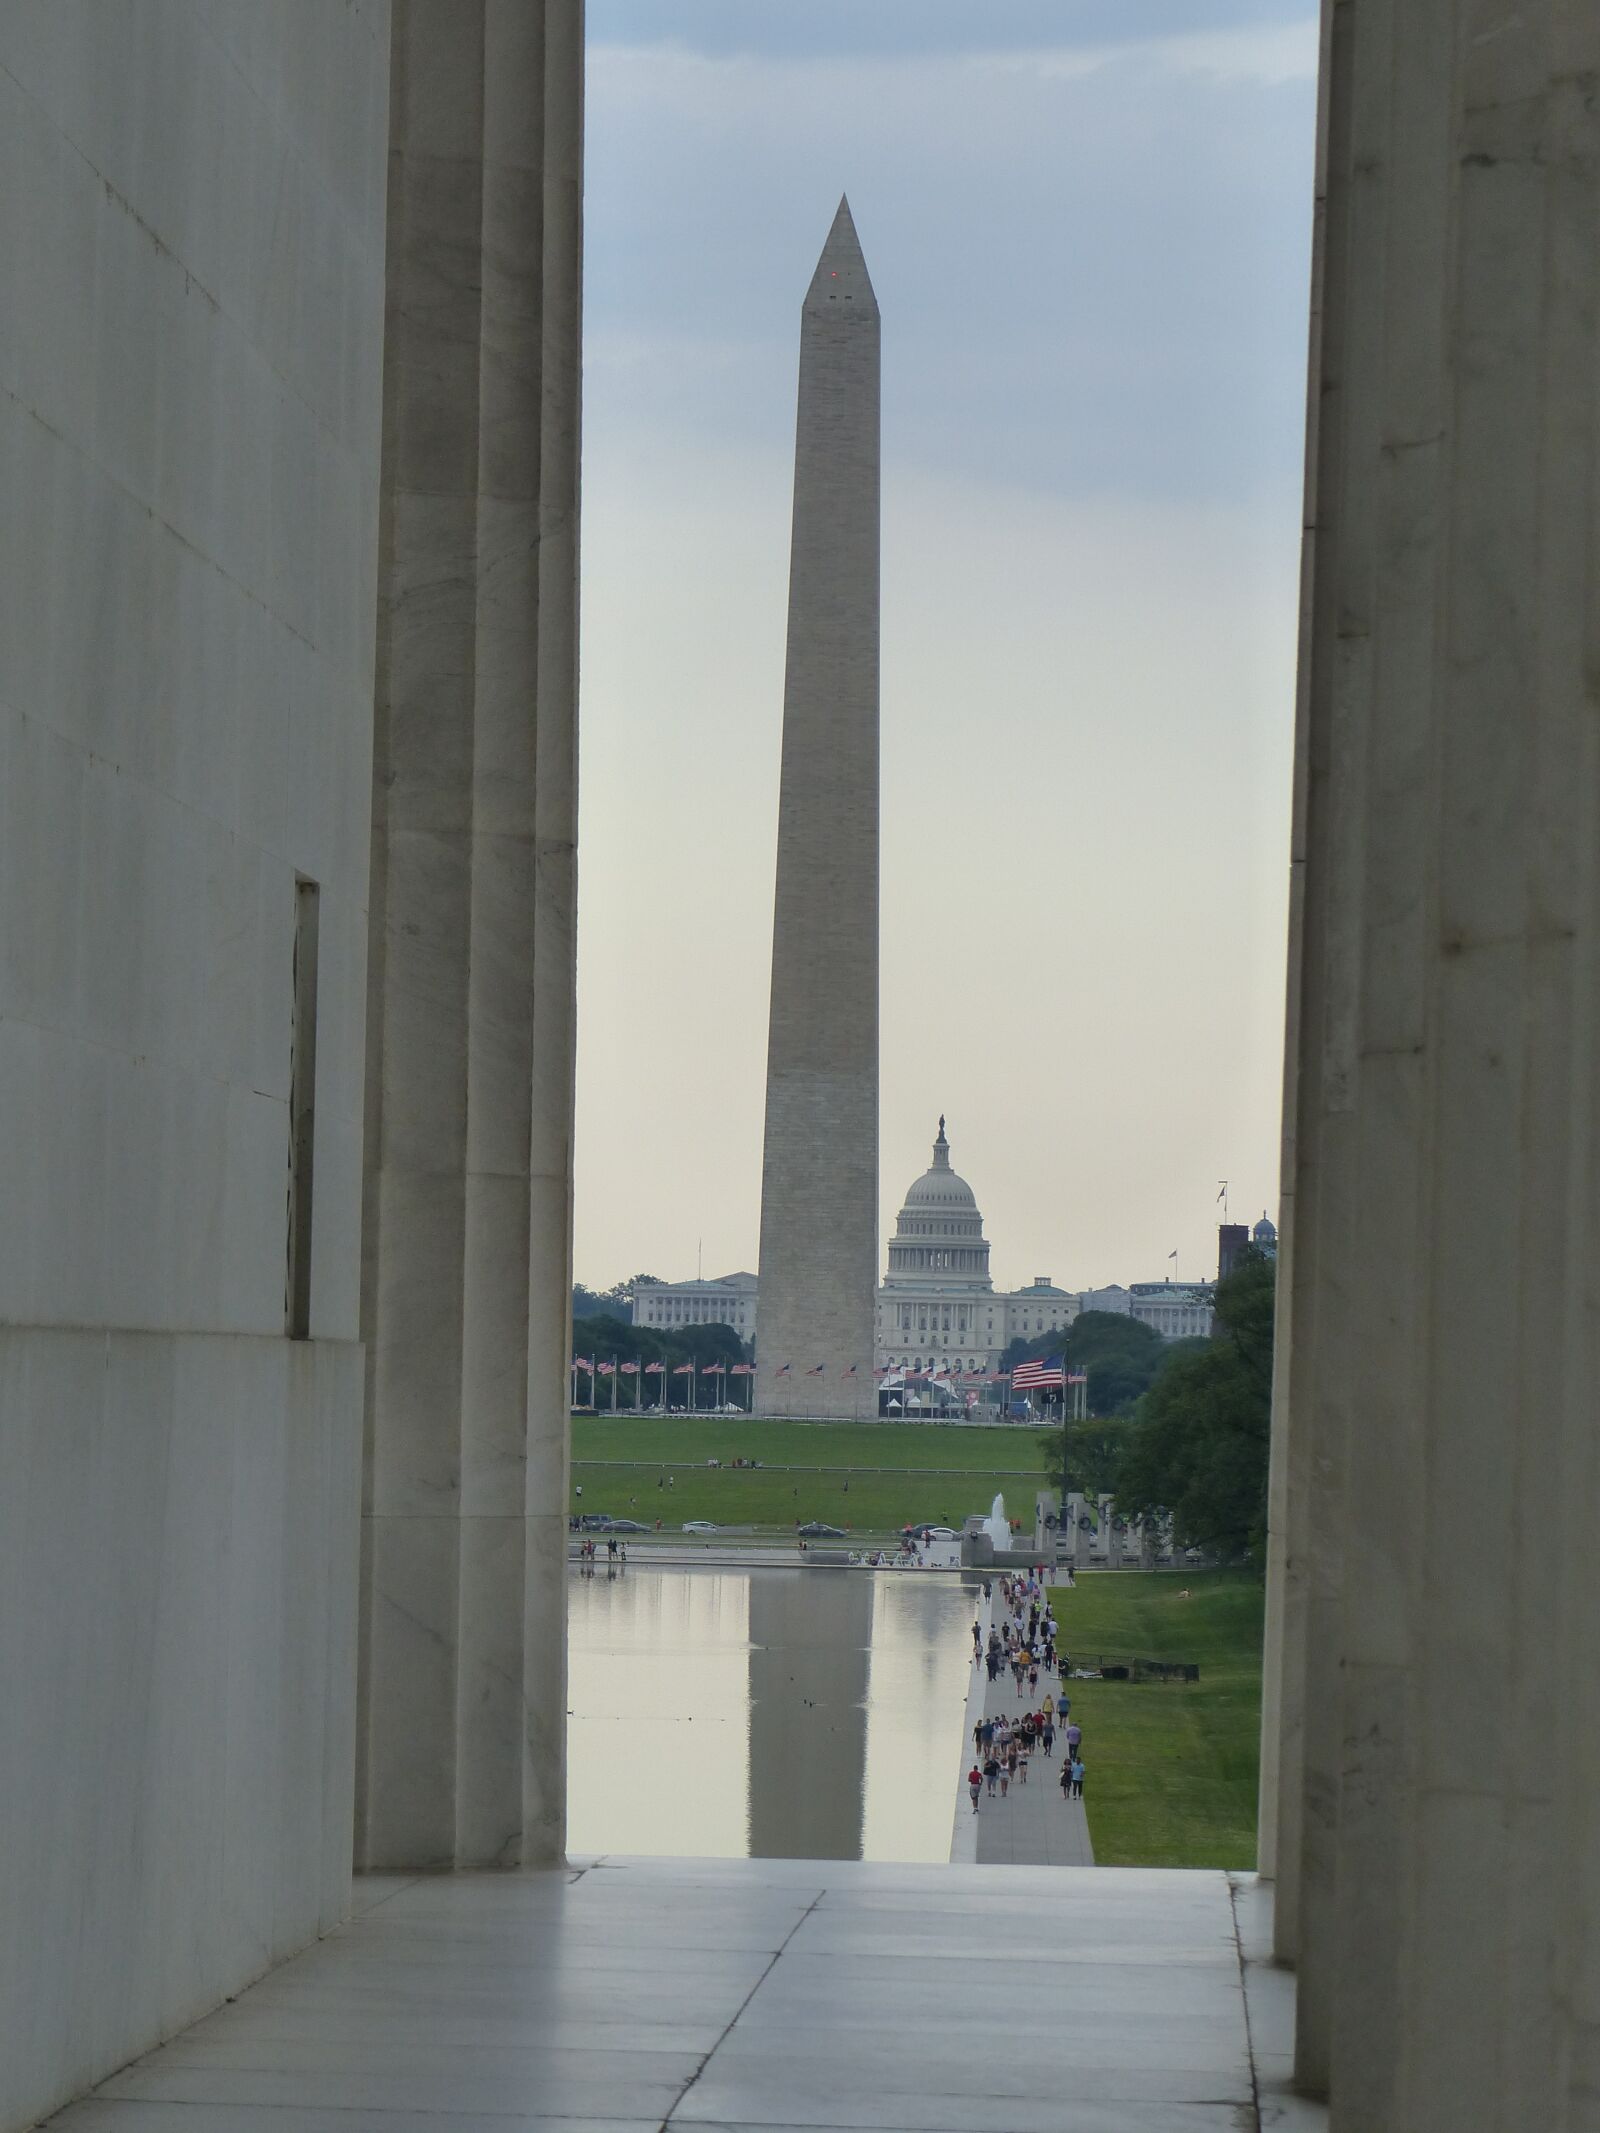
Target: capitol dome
940,1229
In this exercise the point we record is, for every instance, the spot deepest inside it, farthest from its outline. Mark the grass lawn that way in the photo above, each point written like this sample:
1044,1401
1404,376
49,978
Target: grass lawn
1171,1765
868,1476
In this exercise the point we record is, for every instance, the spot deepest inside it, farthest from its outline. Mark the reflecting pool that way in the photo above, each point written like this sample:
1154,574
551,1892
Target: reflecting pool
770,1714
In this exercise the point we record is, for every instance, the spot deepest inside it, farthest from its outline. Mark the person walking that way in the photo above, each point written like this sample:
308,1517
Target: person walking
1005,1777
977,1640
1048,1737
974,1784
991,1771
1074,1741
1066,1781
1077,1777
1047,1710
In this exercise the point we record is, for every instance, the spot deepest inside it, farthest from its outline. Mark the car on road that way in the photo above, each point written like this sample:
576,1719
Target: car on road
698,1525
817,1531
625,1525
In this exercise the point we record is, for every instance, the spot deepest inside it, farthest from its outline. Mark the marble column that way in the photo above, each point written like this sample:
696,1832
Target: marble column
1283,1653
1446,1256
471,989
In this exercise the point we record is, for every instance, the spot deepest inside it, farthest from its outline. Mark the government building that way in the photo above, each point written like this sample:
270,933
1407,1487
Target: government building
938,1307
669,1306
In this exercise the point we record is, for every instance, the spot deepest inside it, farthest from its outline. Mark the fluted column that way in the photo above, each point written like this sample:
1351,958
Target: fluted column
1440,1430
469,1094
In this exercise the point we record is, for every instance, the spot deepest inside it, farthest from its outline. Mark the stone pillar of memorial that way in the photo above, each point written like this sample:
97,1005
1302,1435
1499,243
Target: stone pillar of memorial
471,983
1440,1301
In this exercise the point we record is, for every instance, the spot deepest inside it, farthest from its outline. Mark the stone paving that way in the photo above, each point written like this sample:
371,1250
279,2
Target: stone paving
631,1995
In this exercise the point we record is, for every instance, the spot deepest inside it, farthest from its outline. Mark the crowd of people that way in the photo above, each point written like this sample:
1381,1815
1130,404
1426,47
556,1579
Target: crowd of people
1022,1638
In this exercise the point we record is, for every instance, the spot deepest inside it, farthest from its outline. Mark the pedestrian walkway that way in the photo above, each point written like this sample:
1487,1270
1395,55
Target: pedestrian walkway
774,1995
1033,1825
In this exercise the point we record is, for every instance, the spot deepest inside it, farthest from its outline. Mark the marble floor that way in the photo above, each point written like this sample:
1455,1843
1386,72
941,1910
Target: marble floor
624,1995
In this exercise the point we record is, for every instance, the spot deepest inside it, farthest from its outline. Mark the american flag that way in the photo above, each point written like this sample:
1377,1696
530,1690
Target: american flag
850,1373
630,1370
1031,1377
742,1370
684,1370
1077,1377
654,1369
582,1362
782,1371
816,1370
608,1370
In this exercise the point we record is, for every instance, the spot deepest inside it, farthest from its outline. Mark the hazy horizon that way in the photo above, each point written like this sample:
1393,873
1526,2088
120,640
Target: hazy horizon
1091,250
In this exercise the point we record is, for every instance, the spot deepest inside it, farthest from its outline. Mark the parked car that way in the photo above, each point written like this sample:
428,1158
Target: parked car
699,1525
817,1531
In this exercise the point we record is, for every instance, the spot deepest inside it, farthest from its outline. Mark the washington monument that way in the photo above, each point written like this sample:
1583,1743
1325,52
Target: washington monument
819,1181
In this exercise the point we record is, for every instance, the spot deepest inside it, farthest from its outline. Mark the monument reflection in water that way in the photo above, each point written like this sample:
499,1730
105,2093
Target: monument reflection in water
802,1714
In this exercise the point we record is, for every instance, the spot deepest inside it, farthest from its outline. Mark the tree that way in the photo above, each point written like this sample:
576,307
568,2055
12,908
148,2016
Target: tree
1199,1441
615,1302
1094,1454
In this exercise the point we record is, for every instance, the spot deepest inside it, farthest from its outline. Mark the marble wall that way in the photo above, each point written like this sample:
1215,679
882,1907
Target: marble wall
192,211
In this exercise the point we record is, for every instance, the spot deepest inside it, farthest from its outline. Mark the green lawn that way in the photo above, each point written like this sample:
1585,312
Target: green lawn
867,1476
1171,1765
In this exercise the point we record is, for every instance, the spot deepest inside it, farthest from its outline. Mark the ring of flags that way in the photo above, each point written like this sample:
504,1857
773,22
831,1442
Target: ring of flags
1047,1374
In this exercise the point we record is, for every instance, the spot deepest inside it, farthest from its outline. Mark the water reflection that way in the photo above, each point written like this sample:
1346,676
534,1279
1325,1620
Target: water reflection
766,1713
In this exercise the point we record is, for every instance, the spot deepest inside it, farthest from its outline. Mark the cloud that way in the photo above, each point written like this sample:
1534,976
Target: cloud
859,29
1126,234
1092,259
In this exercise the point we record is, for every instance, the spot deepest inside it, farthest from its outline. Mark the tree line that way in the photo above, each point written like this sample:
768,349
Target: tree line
1177,1427
606,1338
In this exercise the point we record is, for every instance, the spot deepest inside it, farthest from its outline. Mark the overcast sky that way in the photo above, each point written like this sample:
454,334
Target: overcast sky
1088,226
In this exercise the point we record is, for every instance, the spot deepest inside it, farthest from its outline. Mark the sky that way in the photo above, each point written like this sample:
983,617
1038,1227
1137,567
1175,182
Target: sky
1088,226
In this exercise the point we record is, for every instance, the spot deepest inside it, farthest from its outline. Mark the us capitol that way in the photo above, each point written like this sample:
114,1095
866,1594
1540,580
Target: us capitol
937,1308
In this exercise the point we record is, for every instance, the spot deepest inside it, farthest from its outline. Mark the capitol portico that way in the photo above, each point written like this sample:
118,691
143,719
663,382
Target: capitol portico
937,1307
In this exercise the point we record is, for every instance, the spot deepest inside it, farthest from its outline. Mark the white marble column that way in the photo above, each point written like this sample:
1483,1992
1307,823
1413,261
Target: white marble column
1443,1302
467,1253
1283,1653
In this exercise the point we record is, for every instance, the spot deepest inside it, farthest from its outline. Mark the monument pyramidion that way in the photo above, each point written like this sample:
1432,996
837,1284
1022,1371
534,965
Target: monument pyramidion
819,1182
